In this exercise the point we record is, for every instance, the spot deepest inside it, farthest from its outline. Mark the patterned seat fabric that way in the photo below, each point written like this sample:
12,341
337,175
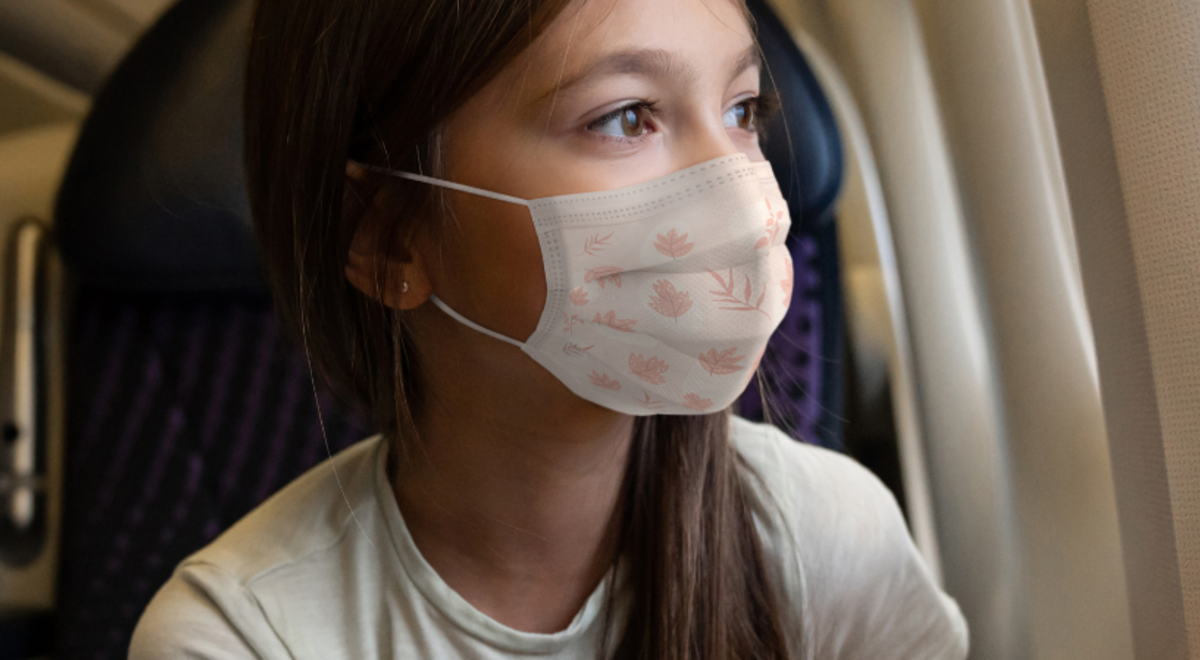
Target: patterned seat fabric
186,407
183,415
802,368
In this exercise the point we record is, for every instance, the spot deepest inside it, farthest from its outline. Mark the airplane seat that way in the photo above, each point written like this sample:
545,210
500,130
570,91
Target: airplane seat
803,365
185,406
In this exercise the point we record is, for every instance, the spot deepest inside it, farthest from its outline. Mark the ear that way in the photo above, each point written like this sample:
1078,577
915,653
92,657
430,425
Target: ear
395,277
392,274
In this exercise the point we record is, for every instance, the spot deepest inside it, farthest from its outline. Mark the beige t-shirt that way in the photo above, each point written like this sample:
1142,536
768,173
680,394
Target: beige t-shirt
299,578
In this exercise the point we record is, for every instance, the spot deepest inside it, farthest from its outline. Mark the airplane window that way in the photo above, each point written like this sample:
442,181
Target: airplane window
904,292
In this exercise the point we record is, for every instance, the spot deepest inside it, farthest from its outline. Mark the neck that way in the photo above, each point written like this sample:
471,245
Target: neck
515,510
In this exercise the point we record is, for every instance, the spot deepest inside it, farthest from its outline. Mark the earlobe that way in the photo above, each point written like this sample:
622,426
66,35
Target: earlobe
395,277
400,282
410,288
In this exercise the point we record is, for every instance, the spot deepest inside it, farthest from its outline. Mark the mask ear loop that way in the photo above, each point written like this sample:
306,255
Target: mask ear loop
461,188
446,184
473,325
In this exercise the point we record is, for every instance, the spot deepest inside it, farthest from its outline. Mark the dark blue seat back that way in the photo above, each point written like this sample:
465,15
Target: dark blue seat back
803,364
186,407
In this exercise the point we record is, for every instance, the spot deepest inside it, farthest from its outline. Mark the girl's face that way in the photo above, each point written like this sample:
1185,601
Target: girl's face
614,93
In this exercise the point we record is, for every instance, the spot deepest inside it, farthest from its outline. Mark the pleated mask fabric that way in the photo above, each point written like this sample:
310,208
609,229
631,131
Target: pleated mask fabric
660,296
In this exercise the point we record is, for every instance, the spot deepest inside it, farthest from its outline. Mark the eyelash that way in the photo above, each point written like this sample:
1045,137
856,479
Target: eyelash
766,106
763,106
645,106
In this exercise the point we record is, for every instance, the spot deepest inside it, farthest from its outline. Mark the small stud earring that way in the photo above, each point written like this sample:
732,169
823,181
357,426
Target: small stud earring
404,287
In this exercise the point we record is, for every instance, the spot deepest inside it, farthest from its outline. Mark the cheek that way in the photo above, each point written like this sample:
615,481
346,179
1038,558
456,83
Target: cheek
749,144
492,266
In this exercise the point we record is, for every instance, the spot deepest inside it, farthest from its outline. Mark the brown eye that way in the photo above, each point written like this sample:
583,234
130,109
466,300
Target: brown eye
633,121
743,115
627,122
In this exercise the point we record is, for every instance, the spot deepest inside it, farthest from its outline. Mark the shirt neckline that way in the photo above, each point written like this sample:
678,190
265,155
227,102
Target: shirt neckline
453,606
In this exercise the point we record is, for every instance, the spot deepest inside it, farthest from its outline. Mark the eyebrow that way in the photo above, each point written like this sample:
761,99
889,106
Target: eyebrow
651,63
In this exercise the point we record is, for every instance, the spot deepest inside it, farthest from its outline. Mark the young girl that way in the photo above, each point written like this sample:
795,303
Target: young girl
538,240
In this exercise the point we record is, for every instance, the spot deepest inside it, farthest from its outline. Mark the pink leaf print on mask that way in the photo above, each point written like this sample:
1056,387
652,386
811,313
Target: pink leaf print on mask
650,370
611,274
610,319
669,302
724,362
774,224
602,380
696,403
649,403
579,297
787,283
575,350
673,245
571,321
726,296
595,244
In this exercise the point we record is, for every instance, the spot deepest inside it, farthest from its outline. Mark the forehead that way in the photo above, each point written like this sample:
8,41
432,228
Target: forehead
697,37
593,23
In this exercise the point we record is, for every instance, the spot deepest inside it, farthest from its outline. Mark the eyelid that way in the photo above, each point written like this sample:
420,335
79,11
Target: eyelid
768,106
742,98
594,125
621,107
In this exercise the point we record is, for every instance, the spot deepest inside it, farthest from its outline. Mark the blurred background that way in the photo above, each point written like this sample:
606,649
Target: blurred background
57,54
997,245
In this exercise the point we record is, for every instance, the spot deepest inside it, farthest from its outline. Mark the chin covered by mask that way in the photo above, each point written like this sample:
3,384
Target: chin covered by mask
660,296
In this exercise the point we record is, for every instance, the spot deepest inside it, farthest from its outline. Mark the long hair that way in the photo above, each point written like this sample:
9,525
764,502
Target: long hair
372,81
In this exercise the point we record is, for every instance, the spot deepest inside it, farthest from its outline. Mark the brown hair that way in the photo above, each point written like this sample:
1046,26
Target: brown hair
372,80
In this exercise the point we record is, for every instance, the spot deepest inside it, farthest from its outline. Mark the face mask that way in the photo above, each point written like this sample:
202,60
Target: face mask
660,296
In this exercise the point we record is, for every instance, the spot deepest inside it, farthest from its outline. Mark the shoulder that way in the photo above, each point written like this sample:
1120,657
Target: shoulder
797,469
821,504
210,607
828,498
843,553
202,612
306,516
